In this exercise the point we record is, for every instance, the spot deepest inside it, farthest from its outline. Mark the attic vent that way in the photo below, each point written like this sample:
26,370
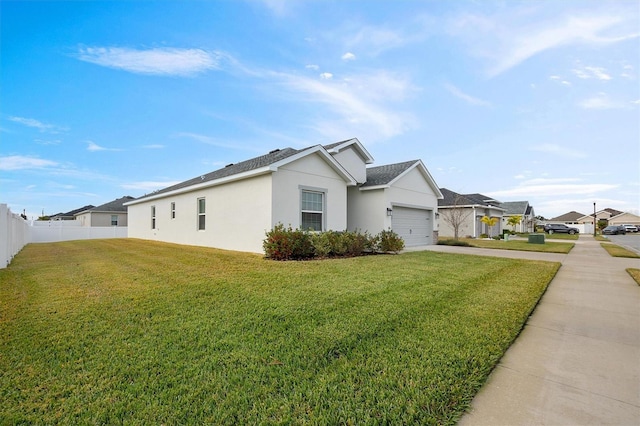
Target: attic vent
202,177
275,150
229,165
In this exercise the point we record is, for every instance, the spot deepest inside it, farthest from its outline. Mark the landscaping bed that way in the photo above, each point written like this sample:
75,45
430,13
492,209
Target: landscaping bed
140,332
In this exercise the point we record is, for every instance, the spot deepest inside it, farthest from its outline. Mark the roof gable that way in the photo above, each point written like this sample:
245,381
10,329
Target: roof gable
355,143
572,216
385,176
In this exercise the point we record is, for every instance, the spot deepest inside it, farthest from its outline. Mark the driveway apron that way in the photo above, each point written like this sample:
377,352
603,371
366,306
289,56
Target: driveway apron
577,360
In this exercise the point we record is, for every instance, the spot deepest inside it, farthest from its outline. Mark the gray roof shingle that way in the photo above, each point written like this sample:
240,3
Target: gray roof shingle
515,207
452,198
383,175
232,169
112,206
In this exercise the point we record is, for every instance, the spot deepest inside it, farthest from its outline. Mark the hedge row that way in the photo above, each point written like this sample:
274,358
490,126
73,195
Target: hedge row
295,244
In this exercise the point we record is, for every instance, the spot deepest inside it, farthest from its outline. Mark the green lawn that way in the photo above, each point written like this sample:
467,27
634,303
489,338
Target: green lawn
138,332
523,245
617,251
635,274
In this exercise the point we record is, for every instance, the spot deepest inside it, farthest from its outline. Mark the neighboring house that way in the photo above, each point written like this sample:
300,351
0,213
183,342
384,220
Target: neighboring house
319,188
570,218
70,215
113,213
605,214
625,219
474,208
522,210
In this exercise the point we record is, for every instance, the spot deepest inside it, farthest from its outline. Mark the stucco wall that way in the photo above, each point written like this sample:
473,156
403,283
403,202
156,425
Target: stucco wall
310,172
237,216
368,208
353,162
367,211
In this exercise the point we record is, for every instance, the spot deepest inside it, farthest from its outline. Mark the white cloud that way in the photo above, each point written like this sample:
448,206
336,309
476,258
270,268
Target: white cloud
465,97
149,185
94,147
156,61
591,72
552,187
509,38
313,67
36,124
348,56
362,103
557,150
326,76
20,162
600,101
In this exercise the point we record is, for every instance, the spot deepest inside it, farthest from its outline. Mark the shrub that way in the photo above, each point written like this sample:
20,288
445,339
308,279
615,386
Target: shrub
389,241
287,244
452,242
483,236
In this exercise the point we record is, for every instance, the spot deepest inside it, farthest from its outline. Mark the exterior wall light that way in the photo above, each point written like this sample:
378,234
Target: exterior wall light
389,211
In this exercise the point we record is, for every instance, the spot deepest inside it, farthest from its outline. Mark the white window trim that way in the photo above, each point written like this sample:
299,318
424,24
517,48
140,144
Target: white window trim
324,192
204,214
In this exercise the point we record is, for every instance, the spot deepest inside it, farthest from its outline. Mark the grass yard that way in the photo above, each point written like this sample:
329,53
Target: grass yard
139,332
617,251
523,245
635,274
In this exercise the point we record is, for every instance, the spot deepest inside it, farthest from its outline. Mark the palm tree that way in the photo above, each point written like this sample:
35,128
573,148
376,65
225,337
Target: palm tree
490,222
514,221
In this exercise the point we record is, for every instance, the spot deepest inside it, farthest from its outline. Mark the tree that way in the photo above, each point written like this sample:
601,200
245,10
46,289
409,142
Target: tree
455,215
490,222
514,221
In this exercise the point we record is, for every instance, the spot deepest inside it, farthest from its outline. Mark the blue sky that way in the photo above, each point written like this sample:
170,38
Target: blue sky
531,100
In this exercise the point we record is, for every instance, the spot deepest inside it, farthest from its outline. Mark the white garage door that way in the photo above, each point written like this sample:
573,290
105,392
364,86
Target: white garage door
412,225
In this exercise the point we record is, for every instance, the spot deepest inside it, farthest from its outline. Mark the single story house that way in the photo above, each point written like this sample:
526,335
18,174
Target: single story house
113,213
319,188
624,218
570,218
521,209
467,211
71,215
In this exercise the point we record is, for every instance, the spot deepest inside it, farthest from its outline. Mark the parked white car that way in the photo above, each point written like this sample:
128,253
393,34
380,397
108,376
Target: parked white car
631,228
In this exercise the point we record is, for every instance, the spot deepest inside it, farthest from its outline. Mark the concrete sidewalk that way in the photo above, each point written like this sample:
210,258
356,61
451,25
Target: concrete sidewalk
577,361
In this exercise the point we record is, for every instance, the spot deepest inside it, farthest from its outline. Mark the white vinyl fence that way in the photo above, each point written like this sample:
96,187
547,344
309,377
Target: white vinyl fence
66,230
15,233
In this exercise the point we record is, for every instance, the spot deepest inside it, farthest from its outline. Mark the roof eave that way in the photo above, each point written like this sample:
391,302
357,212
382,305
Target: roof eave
208,184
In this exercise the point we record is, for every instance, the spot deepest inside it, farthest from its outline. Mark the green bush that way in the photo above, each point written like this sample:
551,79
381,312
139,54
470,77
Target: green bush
452,242
389,241
287,244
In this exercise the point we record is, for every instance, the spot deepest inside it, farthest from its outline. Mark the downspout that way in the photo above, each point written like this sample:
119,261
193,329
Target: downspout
475,234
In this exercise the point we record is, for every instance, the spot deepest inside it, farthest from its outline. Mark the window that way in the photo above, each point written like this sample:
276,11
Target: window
201,214
312,210
114,220
153,217
173,210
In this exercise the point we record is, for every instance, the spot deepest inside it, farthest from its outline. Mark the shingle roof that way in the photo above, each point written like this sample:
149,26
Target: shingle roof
572,216
452,198
112,206
73,212
232,169
383,175
515,207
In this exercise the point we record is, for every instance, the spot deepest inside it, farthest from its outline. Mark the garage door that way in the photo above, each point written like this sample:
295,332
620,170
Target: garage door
412,225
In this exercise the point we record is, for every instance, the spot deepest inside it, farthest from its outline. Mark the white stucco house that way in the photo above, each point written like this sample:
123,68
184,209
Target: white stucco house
113,213
468,210
320,188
